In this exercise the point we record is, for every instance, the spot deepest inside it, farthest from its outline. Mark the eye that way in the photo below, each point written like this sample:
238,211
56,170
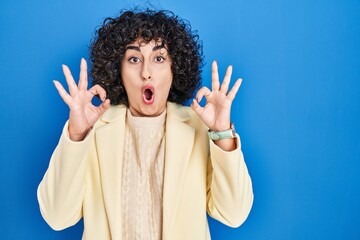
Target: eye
159,59
134,59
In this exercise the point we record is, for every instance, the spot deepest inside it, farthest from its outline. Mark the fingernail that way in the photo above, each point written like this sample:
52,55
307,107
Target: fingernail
194,102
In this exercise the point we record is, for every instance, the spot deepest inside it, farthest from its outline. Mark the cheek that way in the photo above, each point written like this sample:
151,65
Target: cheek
166,88
169,82
130,81
167,77
131,88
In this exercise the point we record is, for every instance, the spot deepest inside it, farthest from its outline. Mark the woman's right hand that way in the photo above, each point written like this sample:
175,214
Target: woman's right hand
83,114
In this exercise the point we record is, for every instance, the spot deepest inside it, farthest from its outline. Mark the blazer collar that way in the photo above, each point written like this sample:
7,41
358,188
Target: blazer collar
114,113
177,111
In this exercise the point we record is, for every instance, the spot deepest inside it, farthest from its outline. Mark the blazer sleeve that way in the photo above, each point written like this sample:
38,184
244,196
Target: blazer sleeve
60,193
229,186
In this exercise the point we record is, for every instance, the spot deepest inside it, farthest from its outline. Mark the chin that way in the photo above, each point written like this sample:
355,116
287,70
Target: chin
151,112
146,111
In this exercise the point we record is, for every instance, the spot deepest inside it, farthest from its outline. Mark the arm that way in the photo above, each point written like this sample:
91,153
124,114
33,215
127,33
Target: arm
61,191
229,188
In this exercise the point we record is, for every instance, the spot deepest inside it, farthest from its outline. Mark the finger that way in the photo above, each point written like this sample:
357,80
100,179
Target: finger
215,84
104,106
234,89
64,95
225,84
204,91
97,90
70,80
196,107
83,80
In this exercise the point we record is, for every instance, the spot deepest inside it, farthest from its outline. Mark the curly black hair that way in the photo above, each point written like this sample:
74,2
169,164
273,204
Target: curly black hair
108,49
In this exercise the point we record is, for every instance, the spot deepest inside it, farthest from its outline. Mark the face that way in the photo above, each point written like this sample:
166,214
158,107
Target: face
147,77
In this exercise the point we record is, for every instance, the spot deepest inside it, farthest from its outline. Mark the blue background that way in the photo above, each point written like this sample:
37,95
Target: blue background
298,109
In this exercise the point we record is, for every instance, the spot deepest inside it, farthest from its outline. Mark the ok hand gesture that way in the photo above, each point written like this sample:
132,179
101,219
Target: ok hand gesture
216,113
83,114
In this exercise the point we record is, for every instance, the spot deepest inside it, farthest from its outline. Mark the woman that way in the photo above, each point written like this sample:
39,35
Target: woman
146,167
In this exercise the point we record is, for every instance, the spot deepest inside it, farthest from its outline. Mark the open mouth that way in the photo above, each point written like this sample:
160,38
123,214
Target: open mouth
148,94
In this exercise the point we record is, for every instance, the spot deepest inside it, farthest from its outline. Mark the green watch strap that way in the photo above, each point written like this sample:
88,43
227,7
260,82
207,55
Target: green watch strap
230,133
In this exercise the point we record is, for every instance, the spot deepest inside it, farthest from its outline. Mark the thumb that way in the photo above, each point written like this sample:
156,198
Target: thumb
104,106
196,107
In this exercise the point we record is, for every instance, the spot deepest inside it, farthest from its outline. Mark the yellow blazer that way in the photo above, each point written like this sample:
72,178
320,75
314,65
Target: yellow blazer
84,179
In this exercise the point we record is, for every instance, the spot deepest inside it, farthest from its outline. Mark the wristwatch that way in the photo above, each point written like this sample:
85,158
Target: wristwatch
230,133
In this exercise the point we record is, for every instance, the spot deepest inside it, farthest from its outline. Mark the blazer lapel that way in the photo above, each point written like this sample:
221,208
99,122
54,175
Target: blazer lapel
110,142
179,144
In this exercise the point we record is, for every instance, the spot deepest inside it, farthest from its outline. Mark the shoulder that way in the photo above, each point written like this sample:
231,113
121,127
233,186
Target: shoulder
113,114
185,114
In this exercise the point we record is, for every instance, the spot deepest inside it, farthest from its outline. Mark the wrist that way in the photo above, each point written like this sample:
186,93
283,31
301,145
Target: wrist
77,136
225,134
228,144
224,126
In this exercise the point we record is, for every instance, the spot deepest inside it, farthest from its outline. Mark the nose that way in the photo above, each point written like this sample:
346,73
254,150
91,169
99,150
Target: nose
146,72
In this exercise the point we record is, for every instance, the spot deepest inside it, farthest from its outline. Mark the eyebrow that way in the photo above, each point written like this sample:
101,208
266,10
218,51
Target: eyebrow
136,48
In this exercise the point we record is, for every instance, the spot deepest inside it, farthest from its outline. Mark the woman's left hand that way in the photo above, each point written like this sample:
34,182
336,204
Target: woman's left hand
216,113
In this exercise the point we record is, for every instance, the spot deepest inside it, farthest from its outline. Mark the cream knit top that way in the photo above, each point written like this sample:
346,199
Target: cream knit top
142,177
